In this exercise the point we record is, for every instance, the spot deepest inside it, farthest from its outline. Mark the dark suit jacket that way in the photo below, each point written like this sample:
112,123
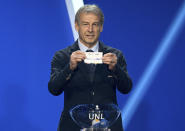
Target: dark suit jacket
78,89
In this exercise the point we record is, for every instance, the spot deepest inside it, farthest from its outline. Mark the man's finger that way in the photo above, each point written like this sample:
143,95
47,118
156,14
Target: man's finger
107,61
78,60
79,57
107,58
109,54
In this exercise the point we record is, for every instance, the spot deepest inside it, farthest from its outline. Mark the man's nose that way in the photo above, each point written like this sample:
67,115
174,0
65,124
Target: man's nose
90,29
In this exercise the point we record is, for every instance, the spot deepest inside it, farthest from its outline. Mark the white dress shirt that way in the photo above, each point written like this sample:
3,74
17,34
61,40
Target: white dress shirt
84,48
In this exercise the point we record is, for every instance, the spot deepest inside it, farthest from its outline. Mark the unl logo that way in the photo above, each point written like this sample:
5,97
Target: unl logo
98,116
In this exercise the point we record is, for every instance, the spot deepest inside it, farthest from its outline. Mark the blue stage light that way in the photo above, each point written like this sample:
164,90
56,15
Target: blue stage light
153,66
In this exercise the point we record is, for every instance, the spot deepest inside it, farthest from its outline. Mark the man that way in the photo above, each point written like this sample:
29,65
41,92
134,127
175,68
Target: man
84,85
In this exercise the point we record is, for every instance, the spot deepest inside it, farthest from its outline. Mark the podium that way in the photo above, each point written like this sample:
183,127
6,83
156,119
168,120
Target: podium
92,117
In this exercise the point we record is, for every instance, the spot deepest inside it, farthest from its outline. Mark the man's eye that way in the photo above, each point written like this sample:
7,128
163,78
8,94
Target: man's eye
95,24
85,24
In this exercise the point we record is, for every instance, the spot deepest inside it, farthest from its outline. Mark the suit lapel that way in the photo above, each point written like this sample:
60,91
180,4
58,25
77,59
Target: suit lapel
74,47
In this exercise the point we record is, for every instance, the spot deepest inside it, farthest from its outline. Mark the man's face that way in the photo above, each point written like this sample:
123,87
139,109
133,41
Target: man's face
89,28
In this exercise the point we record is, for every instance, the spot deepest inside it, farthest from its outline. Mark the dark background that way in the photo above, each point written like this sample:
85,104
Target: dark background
32,30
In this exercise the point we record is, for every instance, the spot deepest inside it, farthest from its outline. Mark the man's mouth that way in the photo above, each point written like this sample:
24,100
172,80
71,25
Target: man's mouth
90,36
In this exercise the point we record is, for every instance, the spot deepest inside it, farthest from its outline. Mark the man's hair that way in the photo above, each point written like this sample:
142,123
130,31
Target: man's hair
90,9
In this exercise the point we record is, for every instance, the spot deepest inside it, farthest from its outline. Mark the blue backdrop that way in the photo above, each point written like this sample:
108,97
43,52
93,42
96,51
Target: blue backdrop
31,31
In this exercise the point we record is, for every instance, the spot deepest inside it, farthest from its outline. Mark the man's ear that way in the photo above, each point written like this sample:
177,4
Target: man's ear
101,28
76,26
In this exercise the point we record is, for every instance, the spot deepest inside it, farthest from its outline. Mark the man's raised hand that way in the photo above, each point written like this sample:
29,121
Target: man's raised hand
76,57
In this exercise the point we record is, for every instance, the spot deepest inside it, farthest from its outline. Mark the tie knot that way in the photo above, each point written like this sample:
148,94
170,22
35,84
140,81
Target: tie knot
89,50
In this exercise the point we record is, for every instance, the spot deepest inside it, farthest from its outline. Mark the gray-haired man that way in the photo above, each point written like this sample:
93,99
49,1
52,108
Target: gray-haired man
71,75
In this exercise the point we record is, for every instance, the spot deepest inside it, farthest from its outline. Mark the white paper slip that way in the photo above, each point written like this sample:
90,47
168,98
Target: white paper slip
93,57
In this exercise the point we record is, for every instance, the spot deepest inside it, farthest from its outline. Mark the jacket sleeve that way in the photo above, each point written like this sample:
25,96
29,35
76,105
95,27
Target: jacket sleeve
124,82
60,73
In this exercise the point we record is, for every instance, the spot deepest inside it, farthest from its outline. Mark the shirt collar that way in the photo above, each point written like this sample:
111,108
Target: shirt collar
84,48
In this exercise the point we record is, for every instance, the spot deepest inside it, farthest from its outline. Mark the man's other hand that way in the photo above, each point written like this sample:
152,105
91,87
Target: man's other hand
110,59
